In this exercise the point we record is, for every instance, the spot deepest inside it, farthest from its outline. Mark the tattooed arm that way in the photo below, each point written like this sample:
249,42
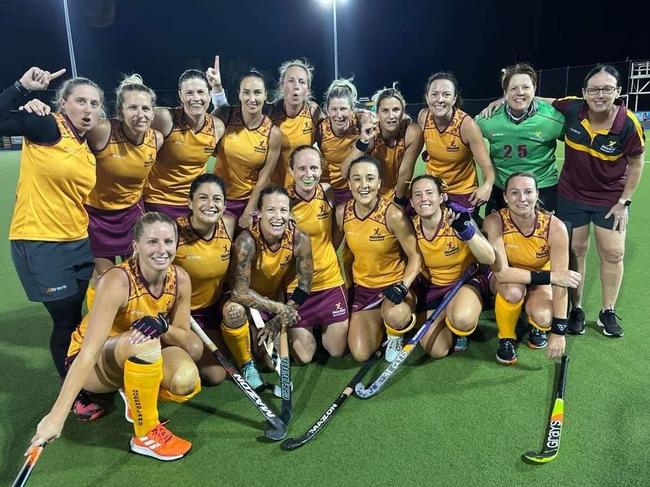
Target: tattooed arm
304,264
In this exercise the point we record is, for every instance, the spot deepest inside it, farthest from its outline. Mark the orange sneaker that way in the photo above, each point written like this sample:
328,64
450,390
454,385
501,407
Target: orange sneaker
127,408
160,443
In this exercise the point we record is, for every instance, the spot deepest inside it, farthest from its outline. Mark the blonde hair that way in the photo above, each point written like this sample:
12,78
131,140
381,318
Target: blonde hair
131,82
341,88
384,93
282,70
68,87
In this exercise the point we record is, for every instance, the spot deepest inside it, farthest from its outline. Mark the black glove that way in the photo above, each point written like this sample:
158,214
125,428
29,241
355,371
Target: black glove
151,326
396,293
463,226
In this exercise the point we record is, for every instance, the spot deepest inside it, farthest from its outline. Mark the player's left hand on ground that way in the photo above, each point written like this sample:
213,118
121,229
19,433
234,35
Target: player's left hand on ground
555,346
480,195
620,215
37,107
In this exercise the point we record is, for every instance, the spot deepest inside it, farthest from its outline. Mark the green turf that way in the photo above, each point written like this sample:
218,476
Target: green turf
464,420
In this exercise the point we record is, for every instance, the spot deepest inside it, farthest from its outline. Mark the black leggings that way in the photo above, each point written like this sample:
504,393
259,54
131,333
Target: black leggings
66,315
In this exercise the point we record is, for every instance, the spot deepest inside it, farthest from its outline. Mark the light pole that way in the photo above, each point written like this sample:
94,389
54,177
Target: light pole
327,3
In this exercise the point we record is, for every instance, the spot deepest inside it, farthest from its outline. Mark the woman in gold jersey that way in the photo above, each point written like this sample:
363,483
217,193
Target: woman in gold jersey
49,227
125,148
191,136
386,262
249,149
448,242
395,142
204,242
532,262
327,304
454,143
140,305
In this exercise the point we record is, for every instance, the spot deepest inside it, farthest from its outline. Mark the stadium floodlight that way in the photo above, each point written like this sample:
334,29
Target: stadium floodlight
332,4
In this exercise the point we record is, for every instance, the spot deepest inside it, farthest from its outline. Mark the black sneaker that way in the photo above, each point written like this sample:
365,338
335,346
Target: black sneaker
608,320
576,322
506,353
536,338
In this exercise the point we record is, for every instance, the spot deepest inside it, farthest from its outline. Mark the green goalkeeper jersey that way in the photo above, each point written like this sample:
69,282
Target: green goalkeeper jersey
528,145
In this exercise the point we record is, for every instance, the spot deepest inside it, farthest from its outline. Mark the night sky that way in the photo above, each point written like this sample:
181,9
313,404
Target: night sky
380,41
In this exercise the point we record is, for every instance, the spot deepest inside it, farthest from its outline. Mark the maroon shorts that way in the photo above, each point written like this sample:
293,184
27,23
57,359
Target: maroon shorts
111,231
323,308
172,211
430,295
341,196
236,207
366,298
460,199
209,318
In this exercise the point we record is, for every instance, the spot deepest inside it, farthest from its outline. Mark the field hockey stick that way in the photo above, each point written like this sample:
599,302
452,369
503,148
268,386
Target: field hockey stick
293,443
270,348
551,446
285,377
33,455
364,392
278,429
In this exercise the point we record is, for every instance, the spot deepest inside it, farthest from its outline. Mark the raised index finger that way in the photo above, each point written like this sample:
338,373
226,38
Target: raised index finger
216,62
56,74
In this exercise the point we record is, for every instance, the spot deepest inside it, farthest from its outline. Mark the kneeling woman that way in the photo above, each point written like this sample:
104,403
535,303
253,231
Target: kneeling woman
327,305
204,241
448,242
532,265
386,262
266,257
140,305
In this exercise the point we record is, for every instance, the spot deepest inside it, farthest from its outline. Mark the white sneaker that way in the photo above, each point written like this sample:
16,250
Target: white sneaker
393,348
127,409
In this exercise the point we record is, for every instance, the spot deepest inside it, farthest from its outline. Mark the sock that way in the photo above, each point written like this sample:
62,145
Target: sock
238,341
392,332
507,315
456,331
90,297
141,385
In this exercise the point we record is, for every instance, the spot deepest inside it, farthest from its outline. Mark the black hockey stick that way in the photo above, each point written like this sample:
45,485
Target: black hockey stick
286,410
26,470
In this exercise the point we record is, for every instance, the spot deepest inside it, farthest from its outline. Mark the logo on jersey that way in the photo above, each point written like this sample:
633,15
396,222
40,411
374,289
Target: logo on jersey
307,128
225,255
542,252
376,236
51,290
453,147
150,160
451,249
286,261
322,212
209,149
261,147
575,131
609,148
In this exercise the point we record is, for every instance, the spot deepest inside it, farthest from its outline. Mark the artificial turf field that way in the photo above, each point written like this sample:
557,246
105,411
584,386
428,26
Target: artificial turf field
463,420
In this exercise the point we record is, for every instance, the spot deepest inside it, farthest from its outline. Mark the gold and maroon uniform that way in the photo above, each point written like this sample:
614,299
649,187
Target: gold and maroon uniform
122,170
182,157
205,260
378,257
314,217
336,150
296,131
54,182
141,302
449,157
530,252
272,269
390,158
241,153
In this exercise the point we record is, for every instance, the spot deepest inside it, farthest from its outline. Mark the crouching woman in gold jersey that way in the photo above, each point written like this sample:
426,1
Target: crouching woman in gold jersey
140,305
386,262
532,265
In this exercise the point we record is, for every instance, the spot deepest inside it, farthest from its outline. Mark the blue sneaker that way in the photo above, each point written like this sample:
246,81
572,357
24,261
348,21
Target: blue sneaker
461,344
252,376
536,338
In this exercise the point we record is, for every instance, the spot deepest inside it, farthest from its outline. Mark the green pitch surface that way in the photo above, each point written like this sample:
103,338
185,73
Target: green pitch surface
463,420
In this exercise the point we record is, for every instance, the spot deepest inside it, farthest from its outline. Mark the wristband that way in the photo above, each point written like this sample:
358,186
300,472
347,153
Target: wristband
540,278
401,200
219,99
299,296
624,202
21,89
558,326
362,146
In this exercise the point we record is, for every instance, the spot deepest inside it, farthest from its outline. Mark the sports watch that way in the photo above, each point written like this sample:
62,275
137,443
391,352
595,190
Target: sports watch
624,202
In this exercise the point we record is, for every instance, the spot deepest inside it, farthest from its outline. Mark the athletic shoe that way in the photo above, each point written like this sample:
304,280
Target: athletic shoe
85,409
576,322
160,443
127,408
608,320
506,353
536,338
393,348
461,344
252,376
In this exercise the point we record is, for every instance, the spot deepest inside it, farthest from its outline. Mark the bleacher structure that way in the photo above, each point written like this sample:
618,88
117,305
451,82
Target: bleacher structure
639,81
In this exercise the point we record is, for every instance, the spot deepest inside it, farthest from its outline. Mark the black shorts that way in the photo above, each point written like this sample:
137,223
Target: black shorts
581,214
547,199
50,271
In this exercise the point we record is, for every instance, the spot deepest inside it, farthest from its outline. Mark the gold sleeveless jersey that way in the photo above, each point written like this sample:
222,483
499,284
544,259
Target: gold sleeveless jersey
314,217
296,131
336,150
182,157
378,257
390,158
449,157
272,269
122,170
53,184
530,252
241,153
205,261
140,303
445,256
